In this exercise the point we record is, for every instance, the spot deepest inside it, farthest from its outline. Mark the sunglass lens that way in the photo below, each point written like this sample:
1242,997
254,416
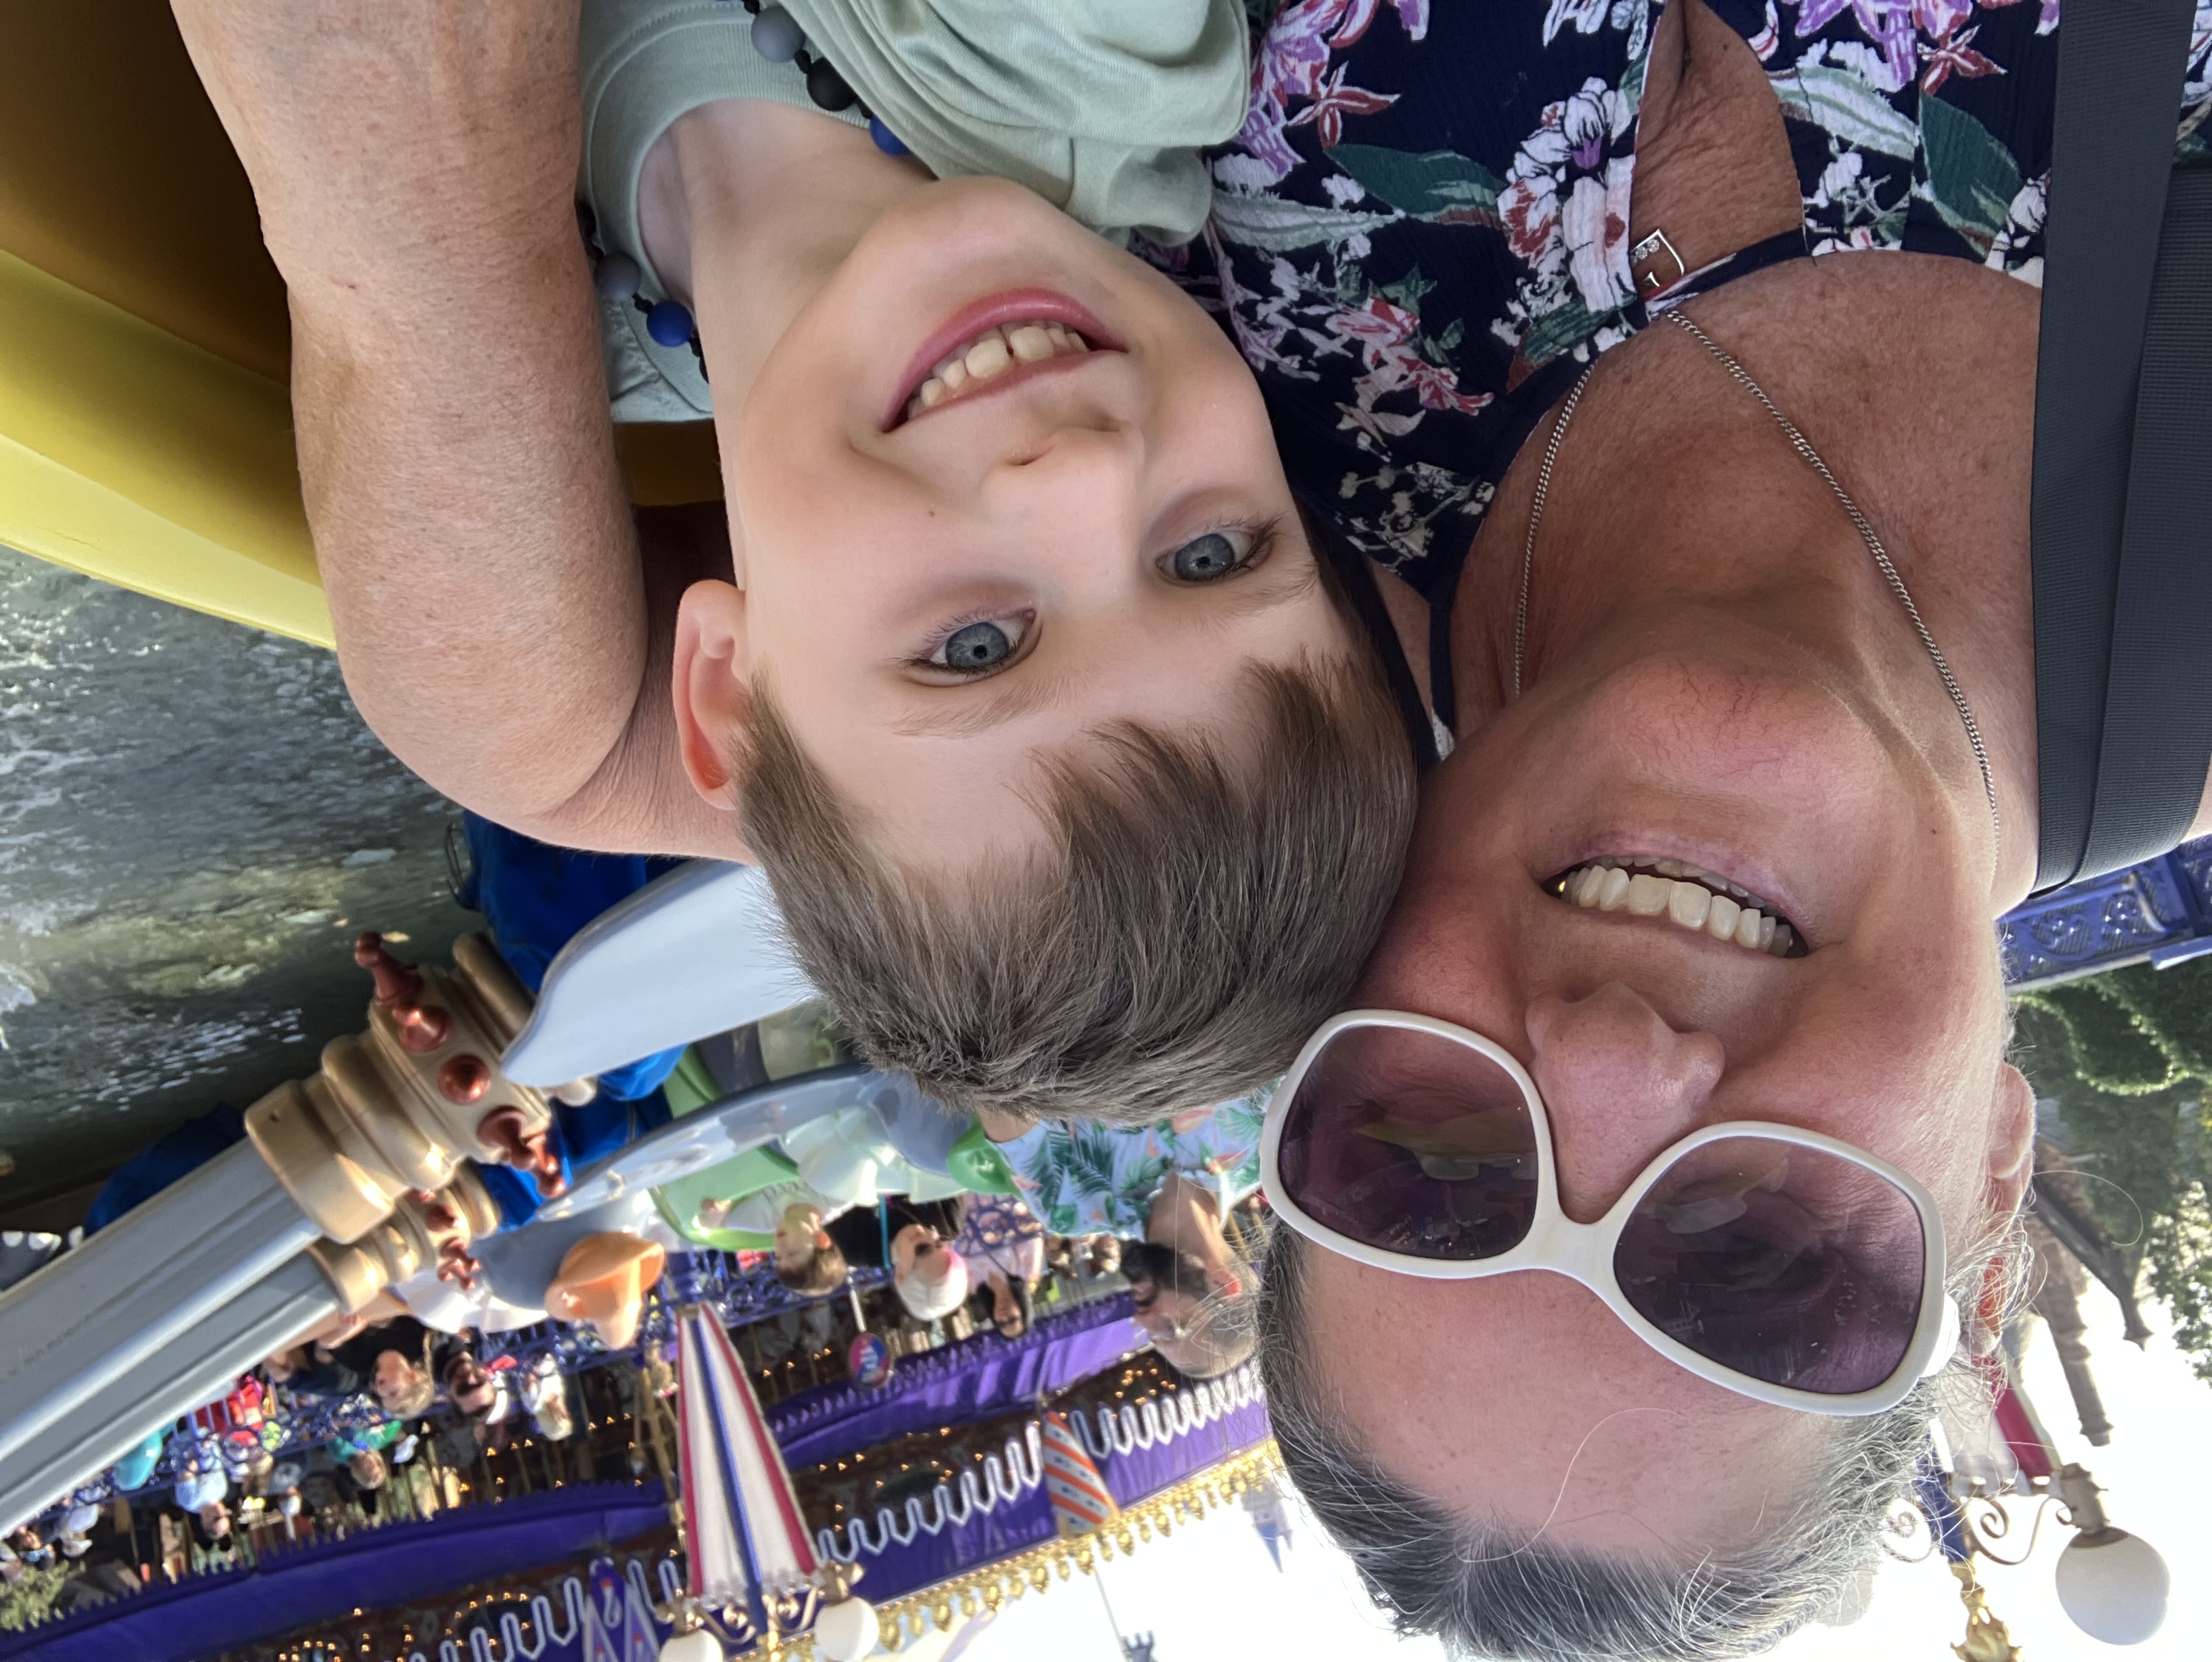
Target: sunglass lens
1790,1264
1413,1142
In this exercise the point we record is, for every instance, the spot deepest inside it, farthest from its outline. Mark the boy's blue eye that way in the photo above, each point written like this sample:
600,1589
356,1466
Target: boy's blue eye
976,645
1203,559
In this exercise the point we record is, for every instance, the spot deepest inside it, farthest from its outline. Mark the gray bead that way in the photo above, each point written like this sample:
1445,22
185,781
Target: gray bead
618,277
776,34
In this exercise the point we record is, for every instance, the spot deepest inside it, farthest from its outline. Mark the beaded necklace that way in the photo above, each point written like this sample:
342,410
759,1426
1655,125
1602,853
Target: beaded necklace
777,37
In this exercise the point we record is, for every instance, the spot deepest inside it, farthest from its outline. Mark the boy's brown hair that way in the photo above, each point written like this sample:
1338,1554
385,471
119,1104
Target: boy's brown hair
1194,919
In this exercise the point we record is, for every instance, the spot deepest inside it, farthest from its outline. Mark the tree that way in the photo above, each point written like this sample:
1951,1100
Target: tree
2128,1058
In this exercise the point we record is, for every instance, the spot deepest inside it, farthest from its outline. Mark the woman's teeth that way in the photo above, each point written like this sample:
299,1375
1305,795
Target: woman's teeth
989,356
1684,895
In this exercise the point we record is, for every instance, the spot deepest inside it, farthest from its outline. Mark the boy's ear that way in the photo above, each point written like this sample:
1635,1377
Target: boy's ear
712,686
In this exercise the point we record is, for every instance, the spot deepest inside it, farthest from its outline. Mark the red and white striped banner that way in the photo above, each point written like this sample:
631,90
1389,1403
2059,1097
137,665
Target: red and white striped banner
1080,1500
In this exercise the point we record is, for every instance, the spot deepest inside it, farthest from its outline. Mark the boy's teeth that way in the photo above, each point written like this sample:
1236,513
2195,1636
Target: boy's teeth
990,355
1684,895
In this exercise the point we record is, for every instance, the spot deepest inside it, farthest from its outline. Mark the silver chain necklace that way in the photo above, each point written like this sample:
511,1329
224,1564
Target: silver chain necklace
1803,446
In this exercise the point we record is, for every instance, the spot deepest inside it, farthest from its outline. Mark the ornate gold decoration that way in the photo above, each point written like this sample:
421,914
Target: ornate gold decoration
950,1604
395,1109
1986,1638
424,1232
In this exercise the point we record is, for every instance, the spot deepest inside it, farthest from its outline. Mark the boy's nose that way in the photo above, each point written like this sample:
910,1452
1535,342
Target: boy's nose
1077,474
1619,1085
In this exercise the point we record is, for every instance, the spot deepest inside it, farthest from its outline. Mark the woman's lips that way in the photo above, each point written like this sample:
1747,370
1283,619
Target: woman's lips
1015,306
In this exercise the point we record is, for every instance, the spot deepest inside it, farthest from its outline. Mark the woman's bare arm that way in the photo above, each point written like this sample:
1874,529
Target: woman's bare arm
414,161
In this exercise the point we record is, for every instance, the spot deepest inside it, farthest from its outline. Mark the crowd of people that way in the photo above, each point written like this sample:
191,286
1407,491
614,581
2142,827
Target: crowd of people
356,1419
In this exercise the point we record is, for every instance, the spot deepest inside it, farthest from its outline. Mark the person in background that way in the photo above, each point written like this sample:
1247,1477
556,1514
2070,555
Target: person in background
1164,1189
545,1395
807,1260
1003,1246
912,1239
470,1388
202,1486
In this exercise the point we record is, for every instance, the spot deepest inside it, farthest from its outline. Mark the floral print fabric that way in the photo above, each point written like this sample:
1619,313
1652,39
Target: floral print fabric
1082,1178
1421,233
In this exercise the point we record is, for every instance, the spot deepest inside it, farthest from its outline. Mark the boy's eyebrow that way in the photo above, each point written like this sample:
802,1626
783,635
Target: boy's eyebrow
964,718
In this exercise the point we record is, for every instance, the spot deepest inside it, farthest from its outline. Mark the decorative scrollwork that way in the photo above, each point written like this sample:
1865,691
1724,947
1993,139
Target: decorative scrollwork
1907,1535
1987,1519
2104,923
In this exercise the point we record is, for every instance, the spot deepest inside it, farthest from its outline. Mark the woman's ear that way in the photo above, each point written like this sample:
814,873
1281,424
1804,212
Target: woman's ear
2011,1139
712,686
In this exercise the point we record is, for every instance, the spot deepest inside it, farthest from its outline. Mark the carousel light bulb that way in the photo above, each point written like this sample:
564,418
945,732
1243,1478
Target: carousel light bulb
2113,1585
845,1631
696,1645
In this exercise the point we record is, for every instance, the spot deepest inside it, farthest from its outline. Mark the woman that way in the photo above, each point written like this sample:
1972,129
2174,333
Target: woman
1657,634
1004,1246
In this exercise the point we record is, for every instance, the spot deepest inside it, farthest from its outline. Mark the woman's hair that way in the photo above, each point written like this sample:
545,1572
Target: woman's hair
1492,1594
1201,908
825,1271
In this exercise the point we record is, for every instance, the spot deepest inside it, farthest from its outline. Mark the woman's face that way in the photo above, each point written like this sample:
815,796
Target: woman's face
1092,525
1708,739
394,1374
797,1237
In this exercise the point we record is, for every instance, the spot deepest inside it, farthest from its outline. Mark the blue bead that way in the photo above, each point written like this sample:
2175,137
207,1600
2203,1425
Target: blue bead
776,34
669,324
886,140
618,277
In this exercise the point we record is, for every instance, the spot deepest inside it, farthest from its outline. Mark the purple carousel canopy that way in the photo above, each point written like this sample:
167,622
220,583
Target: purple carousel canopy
1005,1509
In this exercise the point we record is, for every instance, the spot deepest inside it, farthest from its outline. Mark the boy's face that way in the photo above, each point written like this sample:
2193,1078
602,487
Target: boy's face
1086,536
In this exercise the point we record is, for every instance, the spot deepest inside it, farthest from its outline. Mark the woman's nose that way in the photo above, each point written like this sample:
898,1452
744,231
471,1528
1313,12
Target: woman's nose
1619,1085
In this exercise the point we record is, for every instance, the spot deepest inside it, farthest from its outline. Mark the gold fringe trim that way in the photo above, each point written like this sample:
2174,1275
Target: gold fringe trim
949,1605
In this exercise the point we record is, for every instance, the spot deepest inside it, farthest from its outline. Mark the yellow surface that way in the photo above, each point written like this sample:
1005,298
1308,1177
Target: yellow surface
134,456
145,431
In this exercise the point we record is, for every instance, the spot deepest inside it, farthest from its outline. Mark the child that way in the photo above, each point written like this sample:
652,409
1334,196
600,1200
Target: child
1016,674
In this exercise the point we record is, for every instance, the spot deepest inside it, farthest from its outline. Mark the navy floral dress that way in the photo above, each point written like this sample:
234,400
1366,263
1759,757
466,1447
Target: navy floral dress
1421,234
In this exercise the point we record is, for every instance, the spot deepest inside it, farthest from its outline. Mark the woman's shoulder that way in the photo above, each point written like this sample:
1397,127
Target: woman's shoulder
1421,231
1417,218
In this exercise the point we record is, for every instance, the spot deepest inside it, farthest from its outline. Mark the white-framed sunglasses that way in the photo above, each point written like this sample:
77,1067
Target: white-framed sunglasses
1781,1263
